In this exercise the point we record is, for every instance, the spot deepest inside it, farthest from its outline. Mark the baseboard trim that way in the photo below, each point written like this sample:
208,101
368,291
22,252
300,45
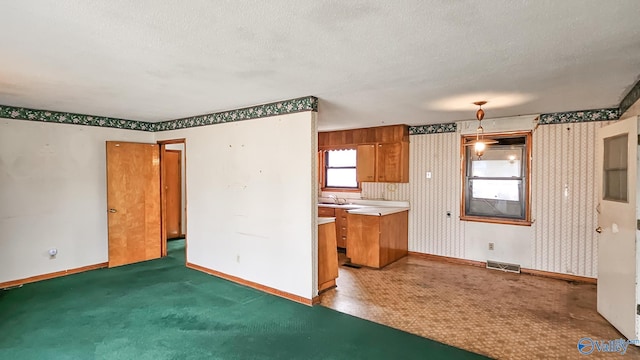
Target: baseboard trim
448,259
52,275
254,285
560,276
541,273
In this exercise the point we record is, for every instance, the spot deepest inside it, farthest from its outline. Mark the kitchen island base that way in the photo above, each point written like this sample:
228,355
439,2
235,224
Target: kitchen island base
376,241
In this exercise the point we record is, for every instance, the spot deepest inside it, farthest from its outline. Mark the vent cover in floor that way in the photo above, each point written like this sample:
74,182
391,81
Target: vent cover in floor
514,268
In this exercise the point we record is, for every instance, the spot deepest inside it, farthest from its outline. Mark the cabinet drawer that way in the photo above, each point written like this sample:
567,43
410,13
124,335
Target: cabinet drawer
342,232
326,211
342,241
341,215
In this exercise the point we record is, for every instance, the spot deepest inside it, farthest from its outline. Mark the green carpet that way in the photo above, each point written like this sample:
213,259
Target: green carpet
162,310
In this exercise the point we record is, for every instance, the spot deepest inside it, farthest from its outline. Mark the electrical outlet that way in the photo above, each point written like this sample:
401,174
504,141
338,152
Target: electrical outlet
490,246
237,258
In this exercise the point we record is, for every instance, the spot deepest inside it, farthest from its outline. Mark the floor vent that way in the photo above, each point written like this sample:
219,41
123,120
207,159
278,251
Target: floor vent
503,266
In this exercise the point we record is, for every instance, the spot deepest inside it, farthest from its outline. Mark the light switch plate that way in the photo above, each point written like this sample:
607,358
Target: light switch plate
428,174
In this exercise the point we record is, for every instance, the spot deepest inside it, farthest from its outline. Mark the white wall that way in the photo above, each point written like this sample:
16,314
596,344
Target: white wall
53,195
251,200
183,196
562,238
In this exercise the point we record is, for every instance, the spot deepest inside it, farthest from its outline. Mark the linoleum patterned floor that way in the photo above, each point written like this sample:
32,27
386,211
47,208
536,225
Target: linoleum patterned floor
501,315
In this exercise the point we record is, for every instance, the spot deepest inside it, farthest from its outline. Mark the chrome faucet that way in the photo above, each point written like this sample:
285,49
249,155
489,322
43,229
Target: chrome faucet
337,200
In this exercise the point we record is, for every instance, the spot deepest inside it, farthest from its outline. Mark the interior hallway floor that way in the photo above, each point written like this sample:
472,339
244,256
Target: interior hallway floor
498,314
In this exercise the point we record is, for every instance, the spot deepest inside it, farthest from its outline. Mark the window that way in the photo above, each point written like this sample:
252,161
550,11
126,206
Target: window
615,168
340,169
496,184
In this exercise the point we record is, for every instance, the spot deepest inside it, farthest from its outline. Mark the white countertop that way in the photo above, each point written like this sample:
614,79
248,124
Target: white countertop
371,207
342,206
326,220
377,211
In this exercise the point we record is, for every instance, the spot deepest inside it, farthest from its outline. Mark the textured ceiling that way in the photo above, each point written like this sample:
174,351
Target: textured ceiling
369,62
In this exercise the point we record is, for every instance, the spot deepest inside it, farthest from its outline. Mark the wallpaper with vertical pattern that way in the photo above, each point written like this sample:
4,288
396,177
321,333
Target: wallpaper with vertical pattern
563,197
430,230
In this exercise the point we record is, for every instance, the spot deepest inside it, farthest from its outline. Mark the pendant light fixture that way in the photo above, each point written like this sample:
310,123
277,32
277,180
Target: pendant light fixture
480,143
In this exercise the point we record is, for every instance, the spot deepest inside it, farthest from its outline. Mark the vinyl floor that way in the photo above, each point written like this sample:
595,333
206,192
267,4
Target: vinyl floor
501,315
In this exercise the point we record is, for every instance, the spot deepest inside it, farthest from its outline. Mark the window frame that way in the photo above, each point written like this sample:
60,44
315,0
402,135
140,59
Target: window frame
526,162
323,160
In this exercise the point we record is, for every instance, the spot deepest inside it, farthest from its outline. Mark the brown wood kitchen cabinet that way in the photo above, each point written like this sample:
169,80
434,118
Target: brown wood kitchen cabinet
341,223
327,256
382,152
341,227
324,211
376,241
383,162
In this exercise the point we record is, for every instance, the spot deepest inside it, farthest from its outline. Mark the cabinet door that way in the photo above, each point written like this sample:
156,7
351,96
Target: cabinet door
390,163
366,163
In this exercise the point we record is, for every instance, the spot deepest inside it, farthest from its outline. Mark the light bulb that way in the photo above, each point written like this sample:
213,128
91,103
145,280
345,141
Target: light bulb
480,146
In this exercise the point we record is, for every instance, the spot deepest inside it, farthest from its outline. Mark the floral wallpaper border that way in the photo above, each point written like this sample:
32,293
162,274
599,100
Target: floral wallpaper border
308,103
545,119
432,129
631,98
19,113
580,116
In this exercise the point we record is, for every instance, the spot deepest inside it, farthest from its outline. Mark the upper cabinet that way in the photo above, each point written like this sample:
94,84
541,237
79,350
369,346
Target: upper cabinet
382,152
366,162
383,162
392,162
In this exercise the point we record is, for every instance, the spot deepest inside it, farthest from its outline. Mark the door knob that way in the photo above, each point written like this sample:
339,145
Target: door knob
599,229
113,211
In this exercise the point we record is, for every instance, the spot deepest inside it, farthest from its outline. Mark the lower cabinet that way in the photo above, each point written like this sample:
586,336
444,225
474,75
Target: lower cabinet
324,211
341,227
327,256
376,241
341,223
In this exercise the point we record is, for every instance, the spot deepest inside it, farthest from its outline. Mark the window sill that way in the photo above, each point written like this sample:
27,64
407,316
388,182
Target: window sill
493,220
328,189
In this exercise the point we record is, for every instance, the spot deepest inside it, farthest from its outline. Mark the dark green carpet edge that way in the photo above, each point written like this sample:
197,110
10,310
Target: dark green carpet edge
162,310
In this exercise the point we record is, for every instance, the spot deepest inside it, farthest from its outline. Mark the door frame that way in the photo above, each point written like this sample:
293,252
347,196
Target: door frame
181,210
163,197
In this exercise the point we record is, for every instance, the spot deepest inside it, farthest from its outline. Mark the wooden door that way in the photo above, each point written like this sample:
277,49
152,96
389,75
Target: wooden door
366,163
173,192
133,202
616,171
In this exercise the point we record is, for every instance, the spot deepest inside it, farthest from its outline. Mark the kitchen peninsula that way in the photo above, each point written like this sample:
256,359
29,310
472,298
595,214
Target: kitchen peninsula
376,231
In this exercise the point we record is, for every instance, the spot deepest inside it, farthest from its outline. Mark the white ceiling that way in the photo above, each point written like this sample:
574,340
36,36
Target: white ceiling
369,62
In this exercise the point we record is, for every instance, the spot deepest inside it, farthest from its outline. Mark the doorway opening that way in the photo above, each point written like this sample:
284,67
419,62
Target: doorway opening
173,195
